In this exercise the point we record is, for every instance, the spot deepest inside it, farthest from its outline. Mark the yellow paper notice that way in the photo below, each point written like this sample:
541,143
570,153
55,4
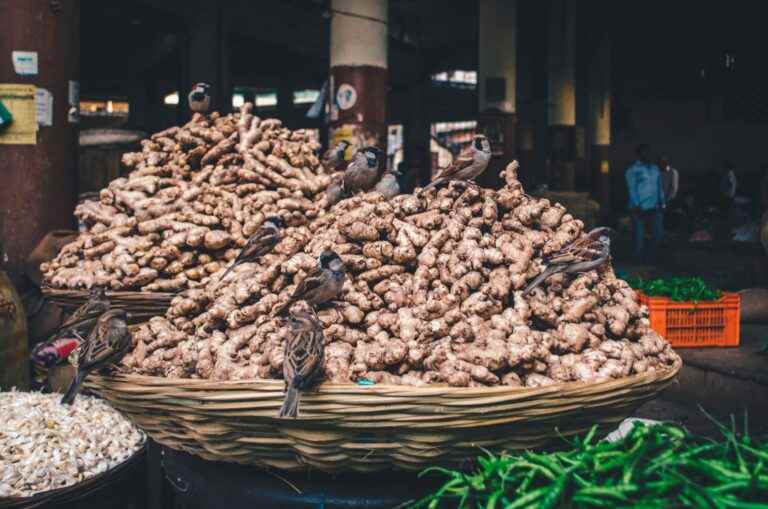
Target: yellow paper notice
20,101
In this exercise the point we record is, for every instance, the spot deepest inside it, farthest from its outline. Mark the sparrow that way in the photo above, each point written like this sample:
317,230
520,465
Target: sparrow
321,285
335,190
471,163
583,254
363,172
107,344
260,243
388,185
200,98
303,359
334,157
83,319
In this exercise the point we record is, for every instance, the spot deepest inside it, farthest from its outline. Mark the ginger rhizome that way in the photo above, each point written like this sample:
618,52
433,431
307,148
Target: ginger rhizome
433,296
192,198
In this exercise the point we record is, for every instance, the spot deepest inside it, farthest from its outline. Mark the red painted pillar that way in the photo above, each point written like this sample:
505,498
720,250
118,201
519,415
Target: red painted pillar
358,92
38,182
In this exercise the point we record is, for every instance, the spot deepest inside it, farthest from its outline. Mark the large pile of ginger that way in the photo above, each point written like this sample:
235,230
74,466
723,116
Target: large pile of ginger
194,195
433,295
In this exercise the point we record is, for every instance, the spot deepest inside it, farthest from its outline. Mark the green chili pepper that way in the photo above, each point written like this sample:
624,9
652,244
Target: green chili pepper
528,499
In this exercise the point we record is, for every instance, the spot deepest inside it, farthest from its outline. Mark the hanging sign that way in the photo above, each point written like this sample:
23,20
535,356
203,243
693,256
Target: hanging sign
346,96
20,101
44,107
24,62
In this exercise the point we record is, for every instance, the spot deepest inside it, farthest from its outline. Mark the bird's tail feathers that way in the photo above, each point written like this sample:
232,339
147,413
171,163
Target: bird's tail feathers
74,388
226,272
290,406
537,281
432,184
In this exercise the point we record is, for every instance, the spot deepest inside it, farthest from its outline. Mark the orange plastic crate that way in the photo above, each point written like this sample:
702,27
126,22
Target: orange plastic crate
693,325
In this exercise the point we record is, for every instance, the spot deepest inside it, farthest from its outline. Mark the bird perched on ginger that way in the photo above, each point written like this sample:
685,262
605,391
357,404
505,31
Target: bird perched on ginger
303,358
363,172
334,157
583,254
335,190
107,344
259,244
199,98
322,285
468,166
388,185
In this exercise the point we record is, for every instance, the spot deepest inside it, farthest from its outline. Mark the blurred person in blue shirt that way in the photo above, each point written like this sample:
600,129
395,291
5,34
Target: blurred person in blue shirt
646,204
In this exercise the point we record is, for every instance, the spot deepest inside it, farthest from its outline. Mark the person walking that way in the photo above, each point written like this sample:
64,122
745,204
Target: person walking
646,204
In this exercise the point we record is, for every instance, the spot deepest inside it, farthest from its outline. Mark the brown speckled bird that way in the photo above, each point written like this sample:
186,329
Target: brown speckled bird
583,254
363,172
259,244
334,157
199,98
468,166
84,318
107,344
388,186
303,359
322,285
335,191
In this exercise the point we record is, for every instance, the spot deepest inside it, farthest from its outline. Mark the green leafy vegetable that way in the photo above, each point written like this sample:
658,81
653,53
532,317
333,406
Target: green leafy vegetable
687,289
660,466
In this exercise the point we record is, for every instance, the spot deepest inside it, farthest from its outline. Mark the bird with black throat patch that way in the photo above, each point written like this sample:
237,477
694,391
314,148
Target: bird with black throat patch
363,172
321,285
468,166
334,156
199,98
260,243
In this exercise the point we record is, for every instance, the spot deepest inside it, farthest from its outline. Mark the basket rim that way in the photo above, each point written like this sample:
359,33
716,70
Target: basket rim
73,293
73,489
390,390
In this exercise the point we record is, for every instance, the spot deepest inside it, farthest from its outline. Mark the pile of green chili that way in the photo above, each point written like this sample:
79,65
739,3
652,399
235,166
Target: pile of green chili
653,467
688,289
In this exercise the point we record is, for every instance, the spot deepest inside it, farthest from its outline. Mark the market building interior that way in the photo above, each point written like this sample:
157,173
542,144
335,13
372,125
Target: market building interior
574,91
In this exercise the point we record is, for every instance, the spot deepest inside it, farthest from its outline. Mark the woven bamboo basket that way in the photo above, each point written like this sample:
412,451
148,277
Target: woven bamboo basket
366,428
141,305
77,492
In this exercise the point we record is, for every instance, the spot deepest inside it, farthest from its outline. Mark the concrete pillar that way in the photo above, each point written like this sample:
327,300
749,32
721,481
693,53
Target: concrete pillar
497,82
562,93
207,55
358,75
600,121
38,181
